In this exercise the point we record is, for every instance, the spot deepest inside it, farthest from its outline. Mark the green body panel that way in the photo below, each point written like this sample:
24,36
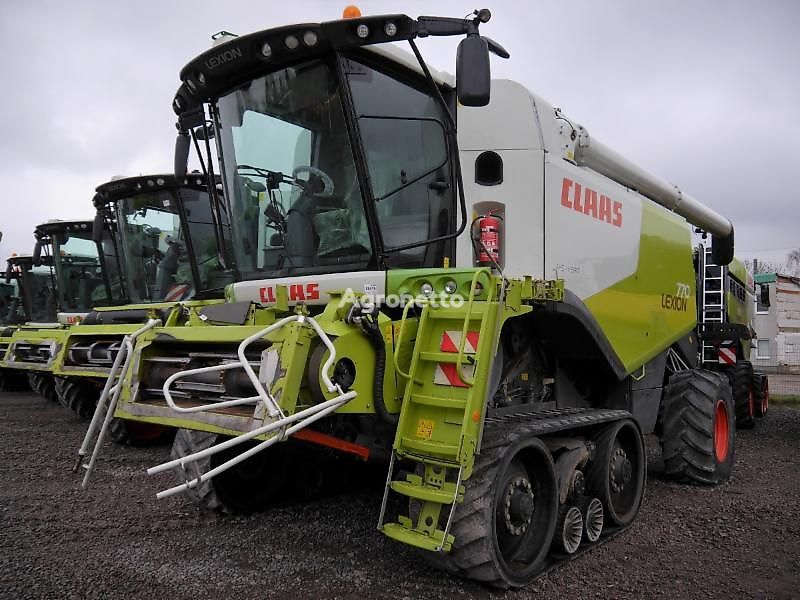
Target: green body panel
741,311
642,315
54,337
80,332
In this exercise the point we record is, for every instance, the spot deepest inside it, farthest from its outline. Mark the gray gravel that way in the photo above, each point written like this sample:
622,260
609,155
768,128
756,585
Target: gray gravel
741,540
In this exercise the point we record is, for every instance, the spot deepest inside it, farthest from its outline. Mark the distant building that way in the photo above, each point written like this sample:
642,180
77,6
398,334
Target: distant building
777,346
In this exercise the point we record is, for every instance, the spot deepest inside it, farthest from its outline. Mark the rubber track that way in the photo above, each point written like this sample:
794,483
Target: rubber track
741,377
472,555
687,426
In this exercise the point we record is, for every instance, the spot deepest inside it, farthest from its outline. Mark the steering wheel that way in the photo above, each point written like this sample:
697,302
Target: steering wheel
327,191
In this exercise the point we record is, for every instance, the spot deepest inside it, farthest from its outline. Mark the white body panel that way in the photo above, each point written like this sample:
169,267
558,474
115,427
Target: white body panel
311,289
70,318
592,243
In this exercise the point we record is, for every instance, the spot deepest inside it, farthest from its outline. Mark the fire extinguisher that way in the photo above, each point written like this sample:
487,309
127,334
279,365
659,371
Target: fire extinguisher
489,240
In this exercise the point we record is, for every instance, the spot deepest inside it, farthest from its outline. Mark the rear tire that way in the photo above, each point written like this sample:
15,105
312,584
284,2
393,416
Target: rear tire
698,433
494,546
741,380
760,394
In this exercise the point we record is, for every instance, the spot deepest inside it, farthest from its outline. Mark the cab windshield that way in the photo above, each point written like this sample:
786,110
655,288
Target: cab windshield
289,174
79,274
156,256
11,309
38,293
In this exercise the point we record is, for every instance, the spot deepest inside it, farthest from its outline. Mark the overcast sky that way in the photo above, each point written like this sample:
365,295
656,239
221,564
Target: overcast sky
705,94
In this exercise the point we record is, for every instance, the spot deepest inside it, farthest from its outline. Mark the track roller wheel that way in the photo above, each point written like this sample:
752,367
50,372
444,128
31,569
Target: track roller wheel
698,433
504,527
592,510
569,530
137,433
616,474
251,486
760,394
741,380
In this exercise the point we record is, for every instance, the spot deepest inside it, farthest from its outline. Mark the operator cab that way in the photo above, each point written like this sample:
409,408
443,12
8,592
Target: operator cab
164,240
78,274
335,155
16,307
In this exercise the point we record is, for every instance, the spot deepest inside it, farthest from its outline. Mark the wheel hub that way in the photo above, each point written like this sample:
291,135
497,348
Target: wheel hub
621,470
519,505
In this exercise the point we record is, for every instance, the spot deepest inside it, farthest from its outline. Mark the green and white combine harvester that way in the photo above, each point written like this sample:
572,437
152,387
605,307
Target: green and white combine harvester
447,275
64,278
157,238
22,302
726,303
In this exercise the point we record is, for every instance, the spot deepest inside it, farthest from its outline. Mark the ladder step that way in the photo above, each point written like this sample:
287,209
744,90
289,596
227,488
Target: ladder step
478,308
445,357
440,401
444,495
409,536
428,447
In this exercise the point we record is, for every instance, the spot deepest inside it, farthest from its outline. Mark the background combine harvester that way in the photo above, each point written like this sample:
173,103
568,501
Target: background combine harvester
66,277
726,300
160,237
21,303
548,333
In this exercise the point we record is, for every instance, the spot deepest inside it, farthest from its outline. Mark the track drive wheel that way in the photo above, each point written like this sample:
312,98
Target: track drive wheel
251,486
137,433
504,527
760,394
698,433
741,379
616,474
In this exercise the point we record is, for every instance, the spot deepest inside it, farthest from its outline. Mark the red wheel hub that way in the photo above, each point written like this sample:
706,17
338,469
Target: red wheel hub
721,431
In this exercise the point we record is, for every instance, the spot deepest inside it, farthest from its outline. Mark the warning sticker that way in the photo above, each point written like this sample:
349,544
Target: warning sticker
424,429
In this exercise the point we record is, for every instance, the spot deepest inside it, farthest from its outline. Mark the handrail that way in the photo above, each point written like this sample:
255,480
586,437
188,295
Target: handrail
469,381
126,352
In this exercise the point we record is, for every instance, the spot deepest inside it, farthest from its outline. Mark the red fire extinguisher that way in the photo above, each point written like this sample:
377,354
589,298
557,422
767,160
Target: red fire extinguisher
489,240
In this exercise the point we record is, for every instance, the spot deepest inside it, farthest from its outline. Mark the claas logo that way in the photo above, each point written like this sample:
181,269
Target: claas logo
297,292
587,201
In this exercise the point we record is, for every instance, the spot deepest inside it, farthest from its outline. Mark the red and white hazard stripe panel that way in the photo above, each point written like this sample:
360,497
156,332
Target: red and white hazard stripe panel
176,292
452,339
447,373
727,356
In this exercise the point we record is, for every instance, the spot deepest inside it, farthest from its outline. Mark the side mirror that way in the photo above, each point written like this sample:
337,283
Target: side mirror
473,72
37,254
722,249
8,273
182,143
764,294
98,227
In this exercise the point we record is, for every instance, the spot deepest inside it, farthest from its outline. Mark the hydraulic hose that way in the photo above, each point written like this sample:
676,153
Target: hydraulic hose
375,338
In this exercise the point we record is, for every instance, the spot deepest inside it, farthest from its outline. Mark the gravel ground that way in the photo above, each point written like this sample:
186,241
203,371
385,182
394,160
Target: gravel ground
741,540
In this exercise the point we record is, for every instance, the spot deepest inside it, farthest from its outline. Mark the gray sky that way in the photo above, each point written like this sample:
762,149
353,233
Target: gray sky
704,94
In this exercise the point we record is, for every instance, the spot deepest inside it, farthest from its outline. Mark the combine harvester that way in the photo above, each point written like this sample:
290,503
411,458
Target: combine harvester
159,237
68,278
726,301
446,275
22,302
